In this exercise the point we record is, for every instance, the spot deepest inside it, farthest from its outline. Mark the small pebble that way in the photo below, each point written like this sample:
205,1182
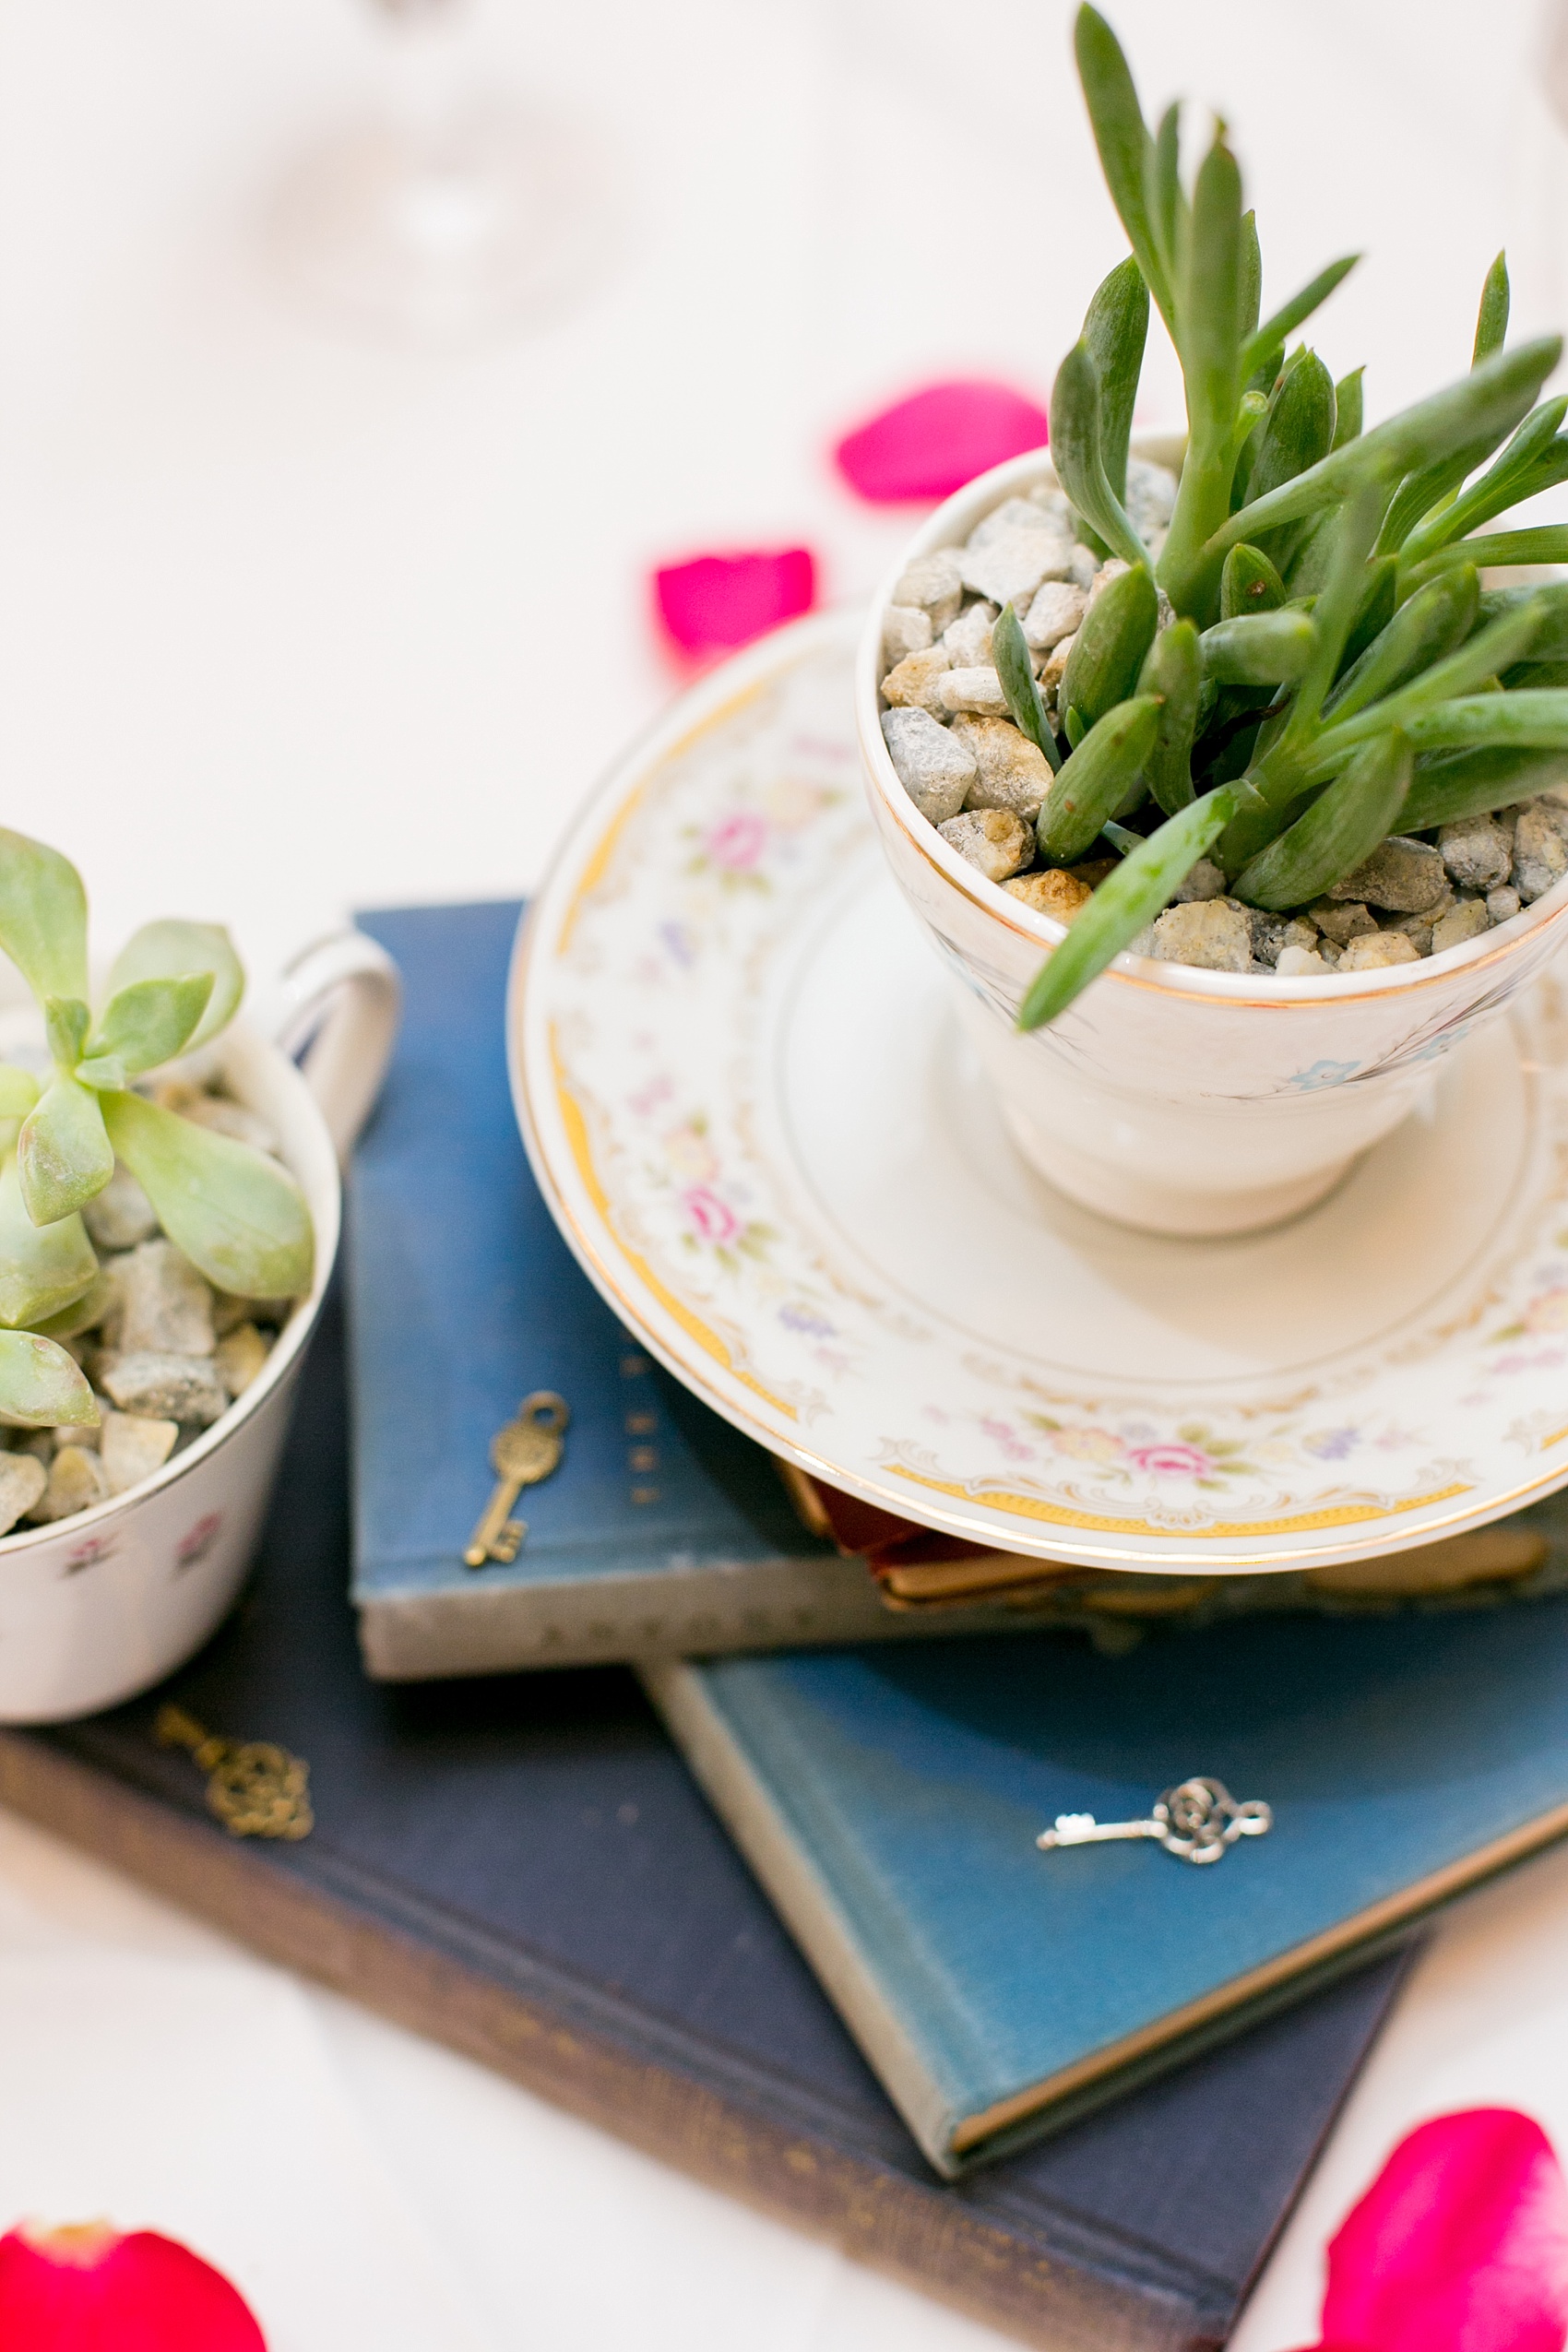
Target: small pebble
164,1387
1056,611
164,1305
1503,903
69,1435
1406,876
1111,569
1055,668
1054,500
1204,881
968,639
935,767
1150,500
912,684
1302,963
1418,930
1081,571
133,1447
1539,858
1010,567
1341,924
76,1482
22,1479
932,582
1467,920
240,1356
1013,773
1014,514
1272,933
905,629
120,1215
1211,932
995,840
1477,851
1052,891
1372,951
975,690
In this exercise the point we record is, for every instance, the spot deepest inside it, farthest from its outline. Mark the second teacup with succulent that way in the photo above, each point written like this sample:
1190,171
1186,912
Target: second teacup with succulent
1250,746
151,1242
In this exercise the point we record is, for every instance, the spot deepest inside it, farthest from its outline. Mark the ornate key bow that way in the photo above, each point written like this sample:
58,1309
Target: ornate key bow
1198,1821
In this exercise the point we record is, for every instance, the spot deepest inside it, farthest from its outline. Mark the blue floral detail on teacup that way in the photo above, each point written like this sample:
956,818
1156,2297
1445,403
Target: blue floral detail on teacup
1325,1074
1331,1444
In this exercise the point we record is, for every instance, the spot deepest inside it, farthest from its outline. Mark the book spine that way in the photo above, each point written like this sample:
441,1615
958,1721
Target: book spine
765,1839
493,1627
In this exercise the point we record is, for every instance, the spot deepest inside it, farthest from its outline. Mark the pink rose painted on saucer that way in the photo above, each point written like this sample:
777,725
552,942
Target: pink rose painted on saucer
1172,1461
713,1220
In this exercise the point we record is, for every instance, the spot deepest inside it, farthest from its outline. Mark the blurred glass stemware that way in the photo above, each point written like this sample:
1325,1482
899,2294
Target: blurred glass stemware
449,213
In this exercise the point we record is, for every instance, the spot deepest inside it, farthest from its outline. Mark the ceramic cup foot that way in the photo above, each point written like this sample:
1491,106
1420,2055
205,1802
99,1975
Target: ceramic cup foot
1129,1199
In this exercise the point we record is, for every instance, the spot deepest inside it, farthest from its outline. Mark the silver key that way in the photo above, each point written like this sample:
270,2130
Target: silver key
1196,1822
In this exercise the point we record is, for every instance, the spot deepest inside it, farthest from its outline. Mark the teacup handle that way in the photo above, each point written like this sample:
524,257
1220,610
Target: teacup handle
339,1004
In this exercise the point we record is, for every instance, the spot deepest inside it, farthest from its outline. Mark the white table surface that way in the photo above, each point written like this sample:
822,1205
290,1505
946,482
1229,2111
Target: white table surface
291,622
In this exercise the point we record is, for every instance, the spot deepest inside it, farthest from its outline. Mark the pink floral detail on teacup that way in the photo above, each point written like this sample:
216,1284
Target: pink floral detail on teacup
1088,1445
1172,1461
713,1220
89,1554
692,1158
737,841
1001,1435
197,1541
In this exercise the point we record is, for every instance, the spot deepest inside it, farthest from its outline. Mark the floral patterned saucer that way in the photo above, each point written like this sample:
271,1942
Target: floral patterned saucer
752,1115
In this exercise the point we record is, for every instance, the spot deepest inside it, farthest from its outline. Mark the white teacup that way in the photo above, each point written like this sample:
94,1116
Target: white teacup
1181,1100
104,1605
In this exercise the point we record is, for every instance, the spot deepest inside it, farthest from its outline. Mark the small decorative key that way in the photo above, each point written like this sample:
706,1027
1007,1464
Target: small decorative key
1198,1821
257,1789
522,1453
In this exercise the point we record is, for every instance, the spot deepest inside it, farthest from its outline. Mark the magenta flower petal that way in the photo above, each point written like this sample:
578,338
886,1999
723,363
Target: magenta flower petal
86,2288
716,602
1460,2244
932,444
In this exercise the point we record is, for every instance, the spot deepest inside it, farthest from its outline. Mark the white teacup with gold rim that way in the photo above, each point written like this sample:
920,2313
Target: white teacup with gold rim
1177,1099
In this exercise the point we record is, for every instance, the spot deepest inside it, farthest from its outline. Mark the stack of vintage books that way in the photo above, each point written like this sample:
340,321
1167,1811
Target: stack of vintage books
782,1914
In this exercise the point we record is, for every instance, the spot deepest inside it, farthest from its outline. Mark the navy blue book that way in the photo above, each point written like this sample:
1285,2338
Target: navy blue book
663,1530
522,1867
890,1803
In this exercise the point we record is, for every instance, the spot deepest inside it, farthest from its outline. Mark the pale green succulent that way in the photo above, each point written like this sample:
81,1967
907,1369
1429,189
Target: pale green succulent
239,1216
1329,669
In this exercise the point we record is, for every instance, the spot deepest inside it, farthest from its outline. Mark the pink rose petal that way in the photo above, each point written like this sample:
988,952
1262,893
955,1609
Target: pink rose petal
86,2288
1460,2244
933,442
716,602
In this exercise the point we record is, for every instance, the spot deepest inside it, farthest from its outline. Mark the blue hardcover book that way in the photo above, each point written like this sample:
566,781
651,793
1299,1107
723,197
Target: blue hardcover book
663,1530
890,1802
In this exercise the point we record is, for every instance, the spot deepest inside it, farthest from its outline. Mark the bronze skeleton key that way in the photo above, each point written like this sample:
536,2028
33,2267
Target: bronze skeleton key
522,1453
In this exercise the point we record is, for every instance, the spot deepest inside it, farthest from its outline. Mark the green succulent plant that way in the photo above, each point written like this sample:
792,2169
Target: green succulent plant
238,1216
1330,669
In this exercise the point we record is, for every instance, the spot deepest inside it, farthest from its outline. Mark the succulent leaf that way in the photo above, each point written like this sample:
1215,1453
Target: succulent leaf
64,1157
65,1021
1347,408
1498,551
1249,583
1077,451
1524,720
150,1021
1491,400
83,1313
1428,626
1010,658
1125,901
1296,311
1491,322
42,917
176,950
1094,779
1464,674
1450,786
1258,649
42,1386
1122,136
1297,430
1115,330
1164,197
42,1268
240,1218
1342,826
1172,670
1531,461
